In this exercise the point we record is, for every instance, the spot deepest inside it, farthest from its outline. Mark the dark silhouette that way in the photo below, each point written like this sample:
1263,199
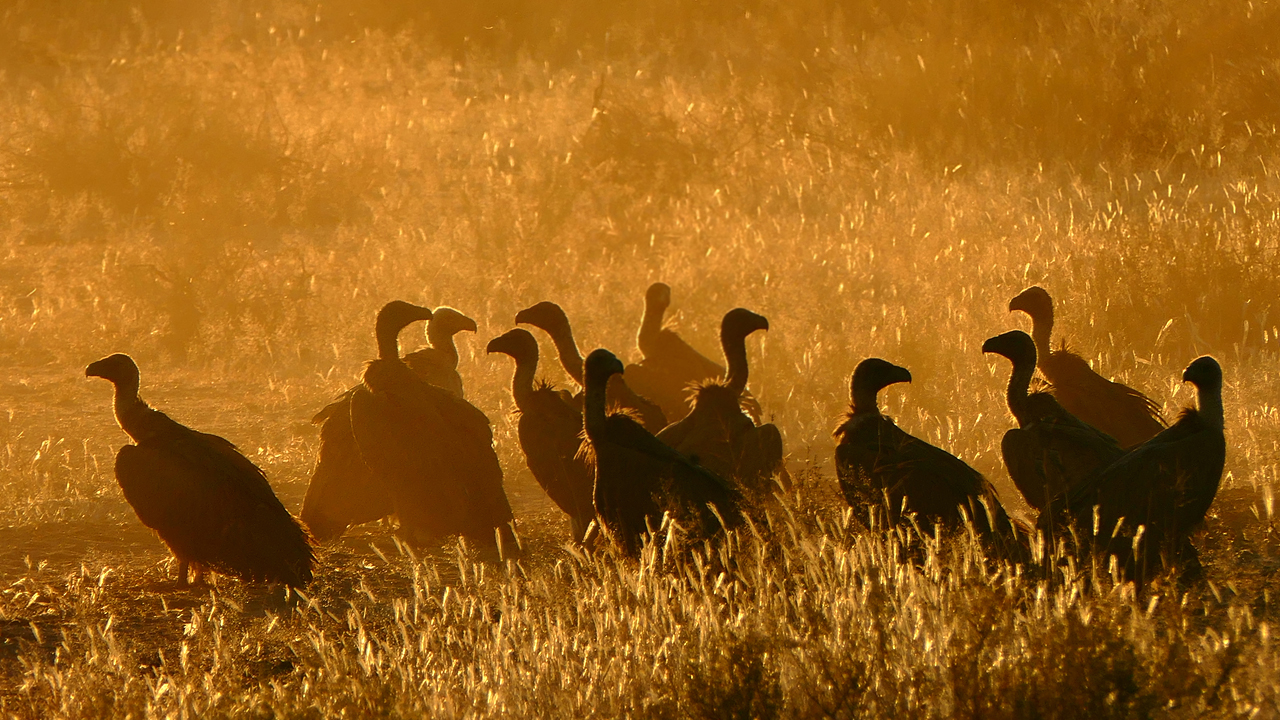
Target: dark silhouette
550,429
344,491
207,502
638,477
432,452
880,465
717,434
1165,486
1051,451
670,368
550,318
1118,410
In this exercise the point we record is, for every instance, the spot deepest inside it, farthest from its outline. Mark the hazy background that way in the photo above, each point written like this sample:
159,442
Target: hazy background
229,192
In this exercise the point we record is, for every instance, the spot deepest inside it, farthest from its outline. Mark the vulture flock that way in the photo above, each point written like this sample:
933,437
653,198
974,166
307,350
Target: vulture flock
675,440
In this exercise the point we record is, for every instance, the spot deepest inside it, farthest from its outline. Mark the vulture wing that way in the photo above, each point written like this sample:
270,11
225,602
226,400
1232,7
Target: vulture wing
435,452
550,431
1116,409
437,368
211,505
672,353
650,414
681,485
876,458
344,491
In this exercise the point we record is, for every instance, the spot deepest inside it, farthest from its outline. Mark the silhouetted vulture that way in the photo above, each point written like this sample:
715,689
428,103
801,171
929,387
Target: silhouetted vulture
343,490
550,318
670,367
207,502
1118,410
438,363
638,477
717,434
1051,451
550,430
1165,485
878,463
433,452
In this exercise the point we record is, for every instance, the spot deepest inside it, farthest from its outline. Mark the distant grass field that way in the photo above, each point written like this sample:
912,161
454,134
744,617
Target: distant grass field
229,193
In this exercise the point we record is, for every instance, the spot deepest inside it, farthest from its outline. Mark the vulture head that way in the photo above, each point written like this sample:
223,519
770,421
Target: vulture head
1015,345
870,377
1035,302
546,316
600,366
120,369
740,322
1203,372
658,297
517,343
447,322
392,318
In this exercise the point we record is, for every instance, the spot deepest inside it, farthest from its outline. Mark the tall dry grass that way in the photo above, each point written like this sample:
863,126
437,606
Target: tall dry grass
229,192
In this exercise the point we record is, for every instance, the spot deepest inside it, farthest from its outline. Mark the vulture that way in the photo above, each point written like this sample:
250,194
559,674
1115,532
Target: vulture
1118,410
1164,485
717,434
438,362
207,502
1051,451
343,490
638,478
878,463
431,451
670,366
550,430
550,318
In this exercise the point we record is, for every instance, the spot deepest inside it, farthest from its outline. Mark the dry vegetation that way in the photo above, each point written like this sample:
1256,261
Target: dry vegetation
229,193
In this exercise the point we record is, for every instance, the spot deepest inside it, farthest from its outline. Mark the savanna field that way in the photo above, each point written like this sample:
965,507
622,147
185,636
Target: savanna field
230,193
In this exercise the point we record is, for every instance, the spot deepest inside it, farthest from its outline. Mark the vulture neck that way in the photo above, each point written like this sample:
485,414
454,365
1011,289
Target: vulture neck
864,400
593,414
442,342
389,343
522,383
129,408
735,354
1041,331
650,325
1209,402
567,350
1020,385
